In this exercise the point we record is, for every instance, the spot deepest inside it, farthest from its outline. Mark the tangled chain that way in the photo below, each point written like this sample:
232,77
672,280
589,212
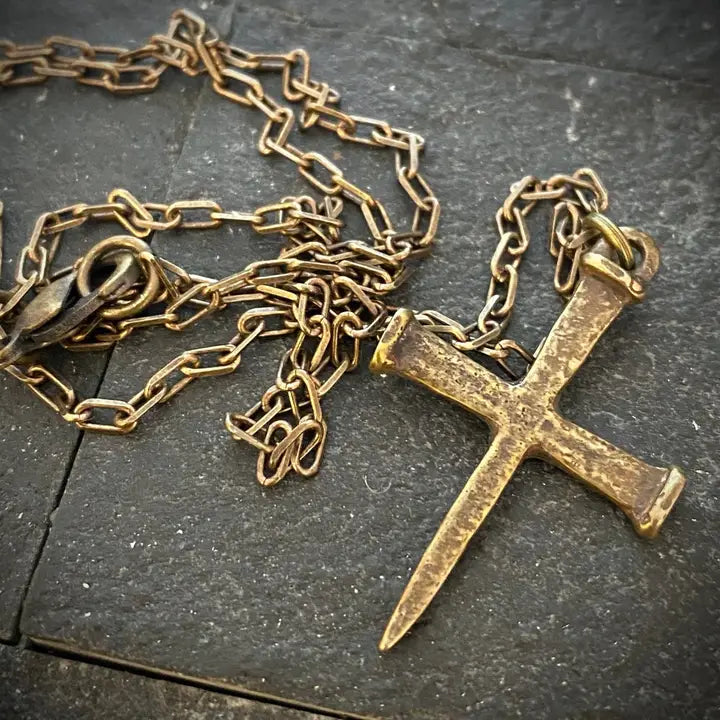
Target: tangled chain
325,291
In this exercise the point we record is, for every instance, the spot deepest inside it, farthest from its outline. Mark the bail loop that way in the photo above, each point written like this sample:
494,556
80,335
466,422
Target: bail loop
614,237
632,282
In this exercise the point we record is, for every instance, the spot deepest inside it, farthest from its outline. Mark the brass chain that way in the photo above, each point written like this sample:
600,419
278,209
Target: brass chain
325,291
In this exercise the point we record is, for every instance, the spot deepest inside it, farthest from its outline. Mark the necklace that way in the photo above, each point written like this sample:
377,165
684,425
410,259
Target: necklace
328,293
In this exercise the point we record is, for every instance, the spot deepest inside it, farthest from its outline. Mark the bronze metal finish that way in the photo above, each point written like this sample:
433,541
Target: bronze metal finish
323,289
524,421
326,291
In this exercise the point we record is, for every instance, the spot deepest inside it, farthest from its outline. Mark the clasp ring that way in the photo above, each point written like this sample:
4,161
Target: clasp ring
137,248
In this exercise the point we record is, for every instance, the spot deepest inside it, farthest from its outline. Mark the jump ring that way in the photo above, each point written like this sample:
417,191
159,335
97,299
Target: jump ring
613,235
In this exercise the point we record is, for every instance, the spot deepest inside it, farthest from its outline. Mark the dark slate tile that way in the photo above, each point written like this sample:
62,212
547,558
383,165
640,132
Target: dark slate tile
35,686
64,144
402,19
666,38
165,552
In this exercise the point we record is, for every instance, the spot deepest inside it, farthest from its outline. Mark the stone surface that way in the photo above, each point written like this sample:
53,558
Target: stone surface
62,144
165,552
406,19
669,38
35,686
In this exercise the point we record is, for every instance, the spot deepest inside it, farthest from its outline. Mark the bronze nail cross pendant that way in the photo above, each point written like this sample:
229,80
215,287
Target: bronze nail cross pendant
524,420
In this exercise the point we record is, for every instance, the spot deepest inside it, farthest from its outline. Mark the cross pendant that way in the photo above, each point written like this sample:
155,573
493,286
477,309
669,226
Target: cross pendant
524,420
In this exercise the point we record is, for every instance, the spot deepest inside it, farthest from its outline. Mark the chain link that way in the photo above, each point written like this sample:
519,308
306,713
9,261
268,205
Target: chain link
327,292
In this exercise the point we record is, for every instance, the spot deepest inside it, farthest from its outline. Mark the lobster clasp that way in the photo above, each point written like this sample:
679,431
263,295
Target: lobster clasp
95,285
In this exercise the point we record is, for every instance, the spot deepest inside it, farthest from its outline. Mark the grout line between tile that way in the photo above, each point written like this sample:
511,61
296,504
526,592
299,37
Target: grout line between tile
58,496
56,500
225,24
53,648
444,40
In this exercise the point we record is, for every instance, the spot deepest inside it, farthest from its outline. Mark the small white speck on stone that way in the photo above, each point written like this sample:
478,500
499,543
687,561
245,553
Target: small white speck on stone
86,586
178,532
575,108
20,516
88,614
132,544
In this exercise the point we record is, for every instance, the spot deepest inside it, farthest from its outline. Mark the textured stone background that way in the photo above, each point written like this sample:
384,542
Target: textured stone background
38,687
164,553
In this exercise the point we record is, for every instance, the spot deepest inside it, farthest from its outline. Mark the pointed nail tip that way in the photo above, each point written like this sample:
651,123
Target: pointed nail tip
389,639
